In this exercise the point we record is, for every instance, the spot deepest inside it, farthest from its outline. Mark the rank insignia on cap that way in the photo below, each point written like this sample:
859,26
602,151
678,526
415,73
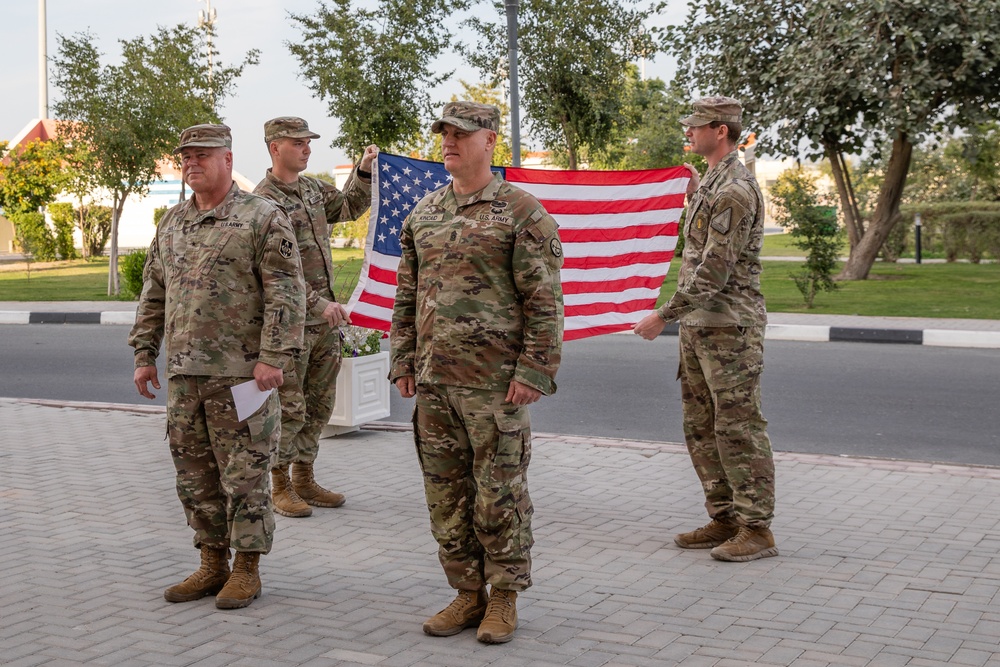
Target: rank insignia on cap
286,248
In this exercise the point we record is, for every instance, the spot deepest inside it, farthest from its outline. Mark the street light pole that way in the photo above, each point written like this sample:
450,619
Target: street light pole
43,71
515,112
206,20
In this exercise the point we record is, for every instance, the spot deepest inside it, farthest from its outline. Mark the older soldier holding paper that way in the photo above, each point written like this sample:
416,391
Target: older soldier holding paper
224,288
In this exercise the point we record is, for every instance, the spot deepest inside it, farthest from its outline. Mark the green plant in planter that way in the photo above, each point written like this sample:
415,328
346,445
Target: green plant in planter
359,341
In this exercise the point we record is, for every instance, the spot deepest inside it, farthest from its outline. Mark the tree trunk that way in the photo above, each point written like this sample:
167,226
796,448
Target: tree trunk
859,264
848,206
83,232
119,204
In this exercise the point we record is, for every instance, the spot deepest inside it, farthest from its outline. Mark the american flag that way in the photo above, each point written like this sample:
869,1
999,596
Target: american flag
618,230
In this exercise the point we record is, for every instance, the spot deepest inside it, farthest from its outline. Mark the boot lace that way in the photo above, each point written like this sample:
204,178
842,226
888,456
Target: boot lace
744,535
464,600
500,605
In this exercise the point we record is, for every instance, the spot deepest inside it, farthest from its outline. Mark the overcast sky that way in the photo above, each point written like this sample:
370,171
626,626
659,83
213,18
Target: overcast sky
272,88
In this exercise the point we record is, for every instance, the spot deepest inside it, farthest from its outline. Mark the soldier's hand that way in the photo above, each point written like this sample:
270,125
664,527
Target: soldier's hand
649,327
267,376
335,315
522,394
369,156
143,375
406,386
695,179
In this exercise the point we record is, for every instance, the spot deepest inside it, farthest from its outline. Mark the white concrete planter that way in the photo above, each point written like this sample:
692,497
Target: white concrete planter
362,393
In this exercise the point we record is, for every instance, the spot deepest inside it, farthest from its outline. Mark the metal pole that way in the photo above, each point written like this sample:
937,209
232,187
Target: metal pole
515,112
916,235
43,71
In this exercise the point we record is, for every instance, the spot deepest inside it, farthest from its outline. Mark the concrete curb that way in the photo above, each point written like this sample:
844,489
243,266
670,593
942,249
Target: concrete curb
794,332
829,334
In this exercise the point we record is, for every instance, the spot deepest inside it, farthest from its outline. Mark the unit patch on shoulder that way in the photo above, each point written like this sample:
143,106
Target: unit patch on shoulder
286,248
556,247
723,222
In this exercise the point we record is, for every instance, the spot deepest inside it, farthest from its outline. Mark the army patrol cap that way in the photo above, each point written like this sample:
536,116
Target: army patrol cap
205,136
468,116
287,127
708,109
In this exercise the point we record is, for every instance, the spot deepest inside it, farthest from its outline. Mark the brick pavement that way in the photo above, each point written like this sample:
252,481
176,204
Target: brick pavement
882,562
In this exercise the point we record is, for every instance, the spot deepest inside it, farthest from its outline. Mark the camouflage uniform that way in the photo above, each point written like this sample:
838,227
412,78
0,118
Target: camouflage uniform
478,304
224,289
722,318
313,207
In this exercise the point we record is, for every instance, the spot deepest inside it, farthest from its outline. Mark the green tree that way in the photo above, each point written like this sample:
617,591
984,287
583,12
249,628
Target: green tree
574,67
33,237
128,115
373,66
814,228
31,175
430,146
653,138
846,77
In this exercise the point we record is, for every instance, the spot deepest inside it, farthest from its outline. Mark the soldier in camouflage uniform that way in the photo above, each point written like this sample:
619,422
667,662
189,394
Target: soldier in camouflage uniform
477,336
722,318
308,393
224,289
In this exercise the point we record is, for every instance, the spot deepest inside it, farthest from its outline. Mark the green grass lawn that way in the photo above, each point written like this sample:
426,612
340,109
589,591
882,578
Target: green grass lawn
895,290
783,245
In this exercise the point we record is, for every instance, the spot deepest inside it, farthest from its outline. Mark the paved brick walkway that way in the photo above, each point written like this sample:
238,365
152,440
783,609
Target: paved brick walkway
883,563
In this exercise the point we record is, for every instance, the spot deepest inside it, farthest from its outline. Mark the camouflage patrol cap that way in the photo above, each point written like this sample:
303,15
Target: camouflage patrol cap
287,126
468,116
708,109
205,136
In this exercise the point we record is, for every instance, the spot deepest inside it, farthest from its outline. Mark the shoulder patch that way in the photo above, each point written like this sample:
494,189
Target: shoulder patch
285,249
723,222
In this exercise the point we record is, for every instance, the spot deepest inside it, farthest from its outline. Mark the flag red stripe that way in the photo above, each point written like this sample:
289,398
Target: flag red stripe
359,320
376,300
617,234
576,334
585,207
611,286
553,177
382,275
618,261
604,308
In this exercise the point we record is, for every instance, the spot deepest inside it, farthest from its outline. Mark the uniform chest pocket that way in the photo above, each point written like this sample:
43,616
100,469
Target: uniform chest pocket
489,232
228,262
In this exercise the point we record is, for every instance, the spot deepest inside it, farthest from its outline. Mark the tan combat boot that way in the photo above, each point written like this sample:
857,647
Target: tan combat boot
465,611
243,586
712,534
305,485
501,618
749,544
286,501
206,580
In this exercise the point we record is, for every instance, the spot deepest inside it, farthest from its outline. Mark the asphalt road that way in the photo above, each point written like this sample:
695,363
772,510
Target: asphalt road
895,401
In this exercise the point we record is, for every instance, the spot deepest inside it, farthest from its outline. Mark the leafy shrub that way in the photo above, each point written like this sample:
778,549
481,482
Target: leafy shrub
131,267
64,220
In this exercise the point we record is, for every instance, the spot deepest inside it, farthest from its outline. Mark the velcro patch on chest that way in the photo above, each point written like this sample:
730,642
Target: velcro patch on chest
494,218
428,217
285,248
315,198
231,224
723,222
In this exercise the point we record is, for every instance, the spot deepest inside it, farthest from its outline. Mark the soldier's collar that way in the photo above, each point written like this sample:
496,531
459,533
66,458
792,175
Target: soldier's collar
719,168
488,193
220,212
286,188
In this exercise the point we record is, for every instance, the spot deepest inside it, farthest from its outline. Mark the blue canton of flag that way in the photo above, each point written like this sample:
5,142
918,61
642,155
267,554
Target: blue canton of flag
402,182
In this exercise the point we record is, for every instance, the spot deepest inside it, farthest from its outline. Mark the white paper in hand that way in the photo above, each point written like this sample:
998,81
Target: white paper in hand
248,398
